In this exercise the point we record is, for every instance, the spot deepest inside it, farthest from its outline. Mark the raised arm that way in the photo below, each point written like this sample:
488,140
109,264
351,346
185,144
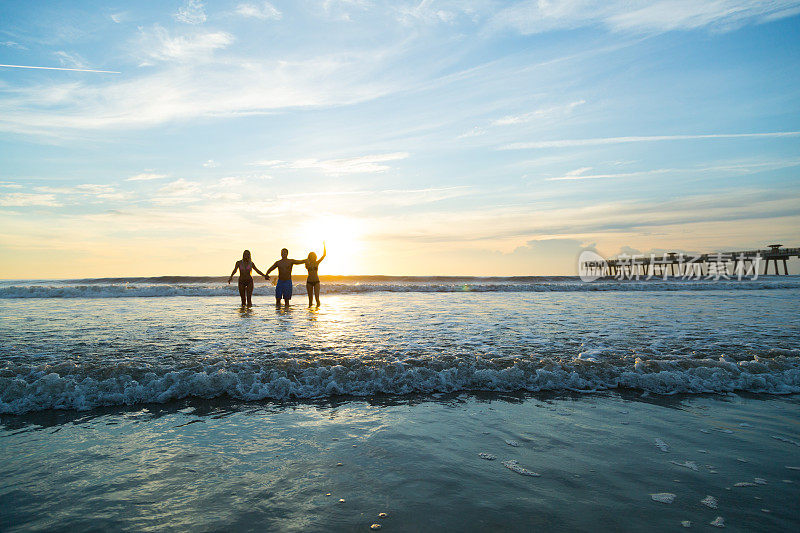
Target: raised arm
235,268
273,267
324,253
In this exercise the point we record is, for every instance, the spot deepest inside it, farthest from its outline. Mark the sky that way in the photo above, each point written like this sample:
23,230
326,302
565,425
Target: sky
468,137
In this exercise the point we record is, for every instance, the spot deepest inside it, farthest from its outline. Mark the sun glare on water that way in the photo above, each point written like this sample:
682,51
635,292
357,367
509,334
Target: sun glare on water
341,235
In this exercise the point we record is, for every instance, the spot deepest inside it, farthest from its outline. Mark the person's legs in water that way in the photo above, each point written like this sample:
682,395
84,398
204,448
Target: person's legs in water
242,292
316,292
250,293
283,291
310,291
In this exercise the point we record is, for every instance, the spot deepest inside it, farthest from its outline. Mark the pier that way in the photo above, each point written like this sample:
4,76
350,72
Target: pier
718,264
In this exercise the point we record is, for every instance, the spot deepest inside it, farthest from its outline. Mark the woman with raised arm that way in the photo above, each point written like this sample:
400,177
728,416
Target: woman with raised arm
312,282
245,265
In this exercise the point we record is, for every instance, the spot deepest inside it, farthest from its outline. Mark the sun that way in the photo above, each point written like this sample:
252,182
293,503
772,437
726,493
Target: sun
342,237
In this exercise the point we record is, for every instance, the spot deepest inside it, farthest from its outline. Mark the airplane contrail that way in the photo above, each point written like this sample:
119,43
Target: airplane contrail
60,68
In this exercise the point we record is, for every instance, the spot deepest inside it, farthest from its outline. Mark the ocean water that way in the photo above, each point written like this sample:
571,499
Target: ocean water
89,343
160,404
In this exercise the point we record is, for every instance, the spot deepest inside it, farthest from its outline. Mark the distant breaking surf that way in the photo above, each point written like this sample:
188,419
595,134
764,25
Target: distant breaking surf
197,286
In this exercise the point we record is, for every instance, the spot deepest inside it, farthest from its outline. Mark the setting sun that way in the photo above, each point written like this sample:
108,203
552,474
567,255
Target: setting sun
342,237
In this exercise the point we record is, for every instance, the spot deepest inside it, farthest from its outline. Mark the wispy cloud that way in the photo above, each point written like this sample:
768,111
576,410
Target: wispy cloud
566,143
71,60
263,11
21,199
746,167
157,44
210,164
180,191
13,44
652,17
352,165
539,114
192,12
147,176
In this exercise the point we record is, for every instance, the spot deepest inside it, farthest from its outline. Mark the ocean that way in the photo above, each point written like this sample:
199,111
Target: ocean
160,403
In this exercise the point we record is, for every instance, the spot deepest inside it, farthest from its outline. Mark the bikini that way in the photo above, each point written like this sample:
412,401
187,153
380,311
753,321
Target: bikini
245,278
312,271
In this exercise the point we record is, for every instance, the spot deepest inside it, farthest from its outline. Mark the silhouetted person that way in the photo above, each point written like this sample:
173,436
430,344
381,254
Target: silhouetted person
245,265
283,289
312,283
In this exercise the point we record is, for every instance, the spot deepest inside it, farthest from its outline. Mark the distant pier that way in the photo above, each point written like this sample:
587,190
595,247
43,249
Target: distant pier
719,264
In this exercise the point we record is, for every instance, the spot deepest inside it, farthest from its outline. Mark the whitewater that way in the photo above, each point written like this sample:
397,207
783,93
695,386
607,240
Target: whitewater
80,344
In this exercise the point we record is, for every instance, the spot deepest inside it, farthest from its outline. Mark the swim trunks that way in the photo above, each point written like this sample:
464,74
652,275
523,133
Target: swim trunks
283,289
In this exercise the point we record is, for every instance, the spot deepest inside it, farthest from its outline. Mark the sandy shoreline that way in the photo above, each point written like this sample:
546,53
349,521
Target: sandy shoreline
221,464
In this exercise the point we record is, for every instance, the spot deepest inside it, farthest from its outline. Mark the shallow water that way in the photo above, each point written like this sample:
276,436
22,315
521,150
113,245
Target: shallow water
184,412
222,465
78,353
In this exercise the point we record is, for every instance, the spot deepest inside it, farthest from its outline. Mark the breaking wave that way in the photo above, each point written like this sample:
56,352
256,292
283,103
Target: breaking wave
205,286
71,385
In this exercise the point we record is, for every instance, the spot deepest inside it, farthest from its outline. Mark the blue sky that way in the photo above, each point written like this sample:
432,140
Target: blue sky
469,137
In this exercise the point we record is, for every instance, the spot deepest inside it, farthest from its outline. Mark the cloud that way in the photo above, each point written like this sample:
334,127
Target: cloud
192,89
192,12
13,44
539,114
211,164
474,132
10,185
392,196
653,17
353,165
180,191
567,143
741,167
147,176
117,17
263,11
70,60
157,44
21,199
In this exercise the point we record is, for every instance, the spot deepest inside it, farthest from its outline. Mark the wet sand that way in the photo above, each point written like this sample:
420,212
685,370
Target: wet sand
224,465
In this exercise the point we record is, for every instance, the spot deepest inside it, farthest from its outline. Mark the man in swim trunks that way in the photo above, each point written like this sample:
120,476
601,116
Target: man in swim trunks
283,289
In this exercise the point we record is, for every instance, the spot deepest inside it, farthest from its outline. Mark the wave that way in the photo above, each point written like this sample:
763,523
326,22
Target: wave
73,385
205,286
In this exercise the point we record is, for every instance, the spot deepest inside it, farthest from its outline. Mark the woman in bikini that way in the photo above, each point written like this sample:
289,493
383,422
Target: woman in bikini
312,282
245,265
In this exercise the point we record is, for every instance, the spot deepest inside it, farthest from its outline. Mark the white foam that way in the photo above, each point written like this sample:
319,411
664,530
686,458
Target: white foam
744,484
515,467
513,443
662,445
718,522
709,501
691,465
686,523
793,467
760,481
188,286
487,456
27,385
663,497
